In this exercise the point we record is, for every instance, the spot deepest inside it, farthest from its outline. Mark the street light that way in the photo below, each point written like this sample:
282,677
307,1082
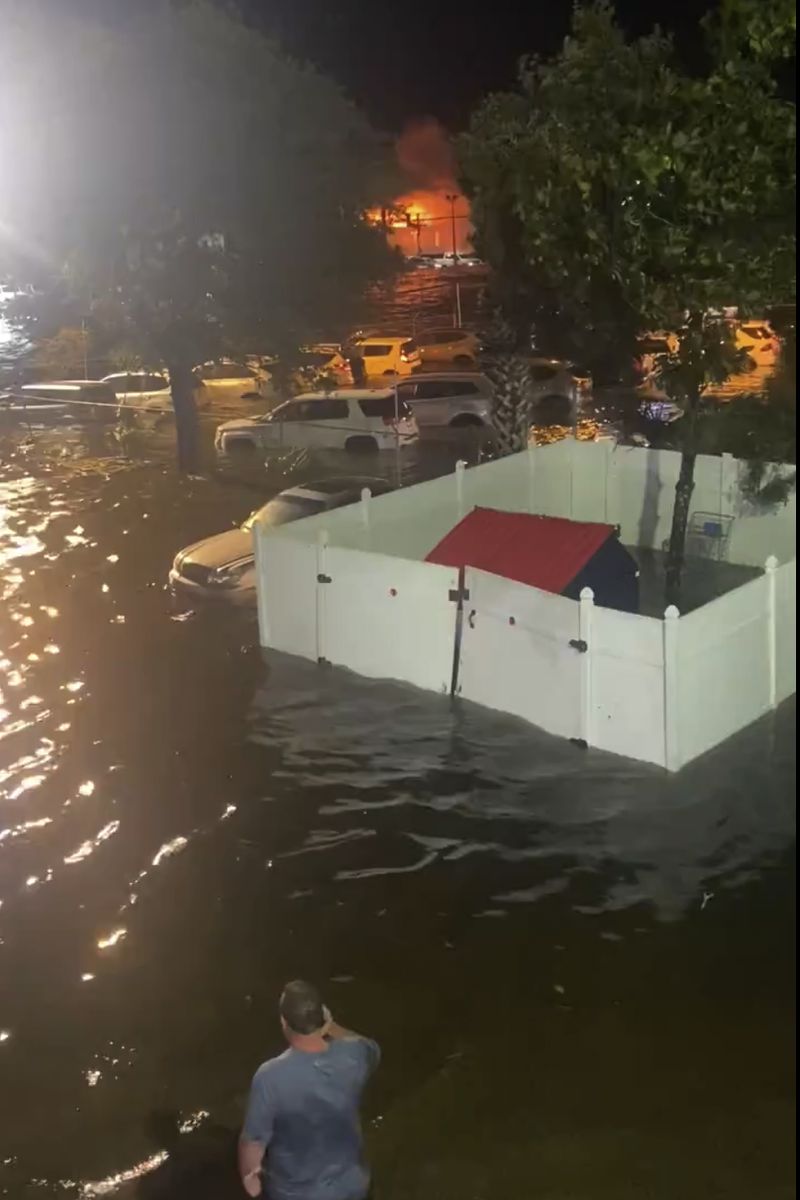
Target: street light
451,199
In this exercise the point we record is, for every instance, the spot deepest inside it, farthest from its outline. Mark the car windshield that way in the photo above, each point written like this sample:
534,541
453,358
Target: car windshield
283,509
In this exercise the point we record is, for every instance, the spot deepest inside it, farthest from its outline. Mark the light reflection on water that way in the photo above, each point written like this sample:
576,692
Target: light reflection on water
207,825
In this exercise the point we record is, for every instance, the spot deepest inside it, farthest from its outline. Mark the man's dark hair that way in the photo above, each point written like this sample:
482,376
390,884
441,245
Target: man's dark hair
301,1007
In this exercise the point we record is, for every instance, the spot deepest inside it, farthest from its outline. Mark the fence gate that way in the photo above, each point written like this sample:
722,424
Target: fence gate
522,652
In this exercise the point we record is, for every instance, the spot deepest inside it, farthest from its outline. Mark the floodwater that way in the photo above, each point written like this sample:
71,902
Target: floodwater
581,970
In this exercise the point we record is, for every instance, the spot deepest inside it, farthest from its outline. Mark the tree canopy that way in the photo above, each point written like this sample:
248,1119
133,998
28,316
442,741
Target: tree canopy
627,193
615,193
181,182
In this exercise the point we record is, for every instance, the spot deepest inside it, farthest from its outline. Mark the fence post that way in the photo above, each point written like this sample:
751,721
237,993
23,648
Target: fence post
531,477
585,615
671,632
460,468
728,489
322,573
571,444
770,567
366,496
261,585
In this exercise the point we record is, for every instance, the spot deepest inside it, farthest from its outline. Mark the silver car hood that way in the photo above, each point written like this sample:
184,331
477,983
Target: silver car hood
220,551
238,423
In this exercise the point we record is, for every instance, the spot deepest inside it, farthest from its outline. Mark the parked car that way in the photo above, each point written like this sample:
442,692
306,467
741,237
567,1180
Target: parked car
145,390
454,398
359,419
651,350
223,565
461,399
322,364
229,380
450,259
457,346
388,355
62,400
758,339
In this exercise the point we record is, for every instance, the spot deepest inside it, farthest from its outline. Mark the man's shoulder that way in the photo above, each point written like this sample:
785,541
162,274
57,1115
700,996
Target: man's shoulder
272,1067
358,1048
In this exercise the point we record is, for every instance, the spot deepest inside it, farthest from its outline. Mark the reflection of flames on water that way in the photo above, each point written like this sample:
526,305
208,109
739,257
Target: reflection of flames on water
587,430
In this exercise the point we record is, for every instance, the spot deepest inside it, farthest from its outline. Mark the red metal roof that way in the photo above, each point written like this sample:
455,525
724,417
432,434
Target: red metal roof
544,552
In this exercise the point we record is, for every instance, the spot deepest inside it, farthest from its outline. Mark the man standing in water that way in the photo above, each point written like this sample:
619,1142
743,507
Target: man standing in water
303,1108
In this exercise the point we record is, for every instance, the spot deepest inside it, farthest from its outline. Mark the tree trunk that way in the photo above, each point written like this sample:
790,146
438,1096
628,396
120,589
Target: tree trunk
684,489
680,519
182,385
511,402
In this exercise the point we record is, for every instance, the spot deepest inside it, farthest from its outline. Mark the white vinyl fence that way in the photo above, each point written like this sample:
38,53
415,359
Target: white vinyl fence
349,588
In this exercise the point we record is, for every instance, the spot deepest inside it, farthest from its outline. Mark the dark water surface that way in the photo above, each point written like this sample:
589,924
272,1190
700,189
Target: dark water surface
581,970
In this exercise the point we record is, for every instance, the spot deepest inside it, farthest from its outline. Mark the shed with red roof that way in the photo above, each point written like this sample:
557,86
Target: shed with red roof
550,553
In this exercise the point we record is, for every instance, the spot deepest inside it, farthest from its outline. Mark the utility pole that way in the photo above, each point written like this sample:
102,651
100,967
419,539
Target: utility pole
451,199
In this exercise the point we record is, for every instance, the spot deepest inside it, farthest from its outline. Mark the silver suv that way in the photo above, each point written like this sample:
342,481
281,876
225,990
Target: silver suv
457,398
463,398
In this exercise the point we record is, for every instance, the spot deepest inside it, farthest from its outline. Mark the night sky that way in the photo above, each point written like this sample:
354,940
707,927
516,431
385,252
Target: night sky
405,60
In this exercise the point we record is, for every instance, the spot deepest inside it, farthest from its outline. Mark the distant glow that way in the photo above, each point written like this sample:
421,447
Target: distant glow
169,848
74,685
191,1122
5,1034
88,847
86,788
28,784
86,977
111,939
104,1187
92,1077
24,826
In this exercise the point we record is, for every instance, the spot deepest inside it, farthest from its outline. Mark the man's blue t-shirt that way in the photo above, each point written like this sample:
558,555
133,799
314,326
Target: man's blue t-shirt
304,1109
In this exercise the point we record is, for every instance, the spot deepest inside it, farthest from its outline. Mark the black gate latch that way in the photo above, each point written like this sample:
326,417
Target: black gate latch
324,579
457,594
579,644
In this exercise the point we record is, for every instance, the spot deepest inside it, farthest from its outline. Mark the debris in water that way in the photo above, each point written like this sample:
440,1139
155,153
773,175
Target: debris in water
706,897
183,616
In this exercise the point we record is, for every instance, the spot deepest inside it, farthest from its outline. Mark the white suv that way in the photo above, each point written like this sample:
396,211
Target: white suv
359,419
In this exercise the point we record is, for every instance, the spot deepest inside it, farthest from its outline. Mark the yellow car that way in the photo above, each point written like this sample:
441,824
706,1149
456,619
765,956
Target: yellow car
457,346
759,339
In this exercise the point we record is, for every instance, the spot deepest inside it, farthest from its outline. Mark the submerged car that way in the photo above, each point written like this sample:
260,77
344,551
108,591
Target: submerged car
224,565
147,390
458,346
60,400
354,419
